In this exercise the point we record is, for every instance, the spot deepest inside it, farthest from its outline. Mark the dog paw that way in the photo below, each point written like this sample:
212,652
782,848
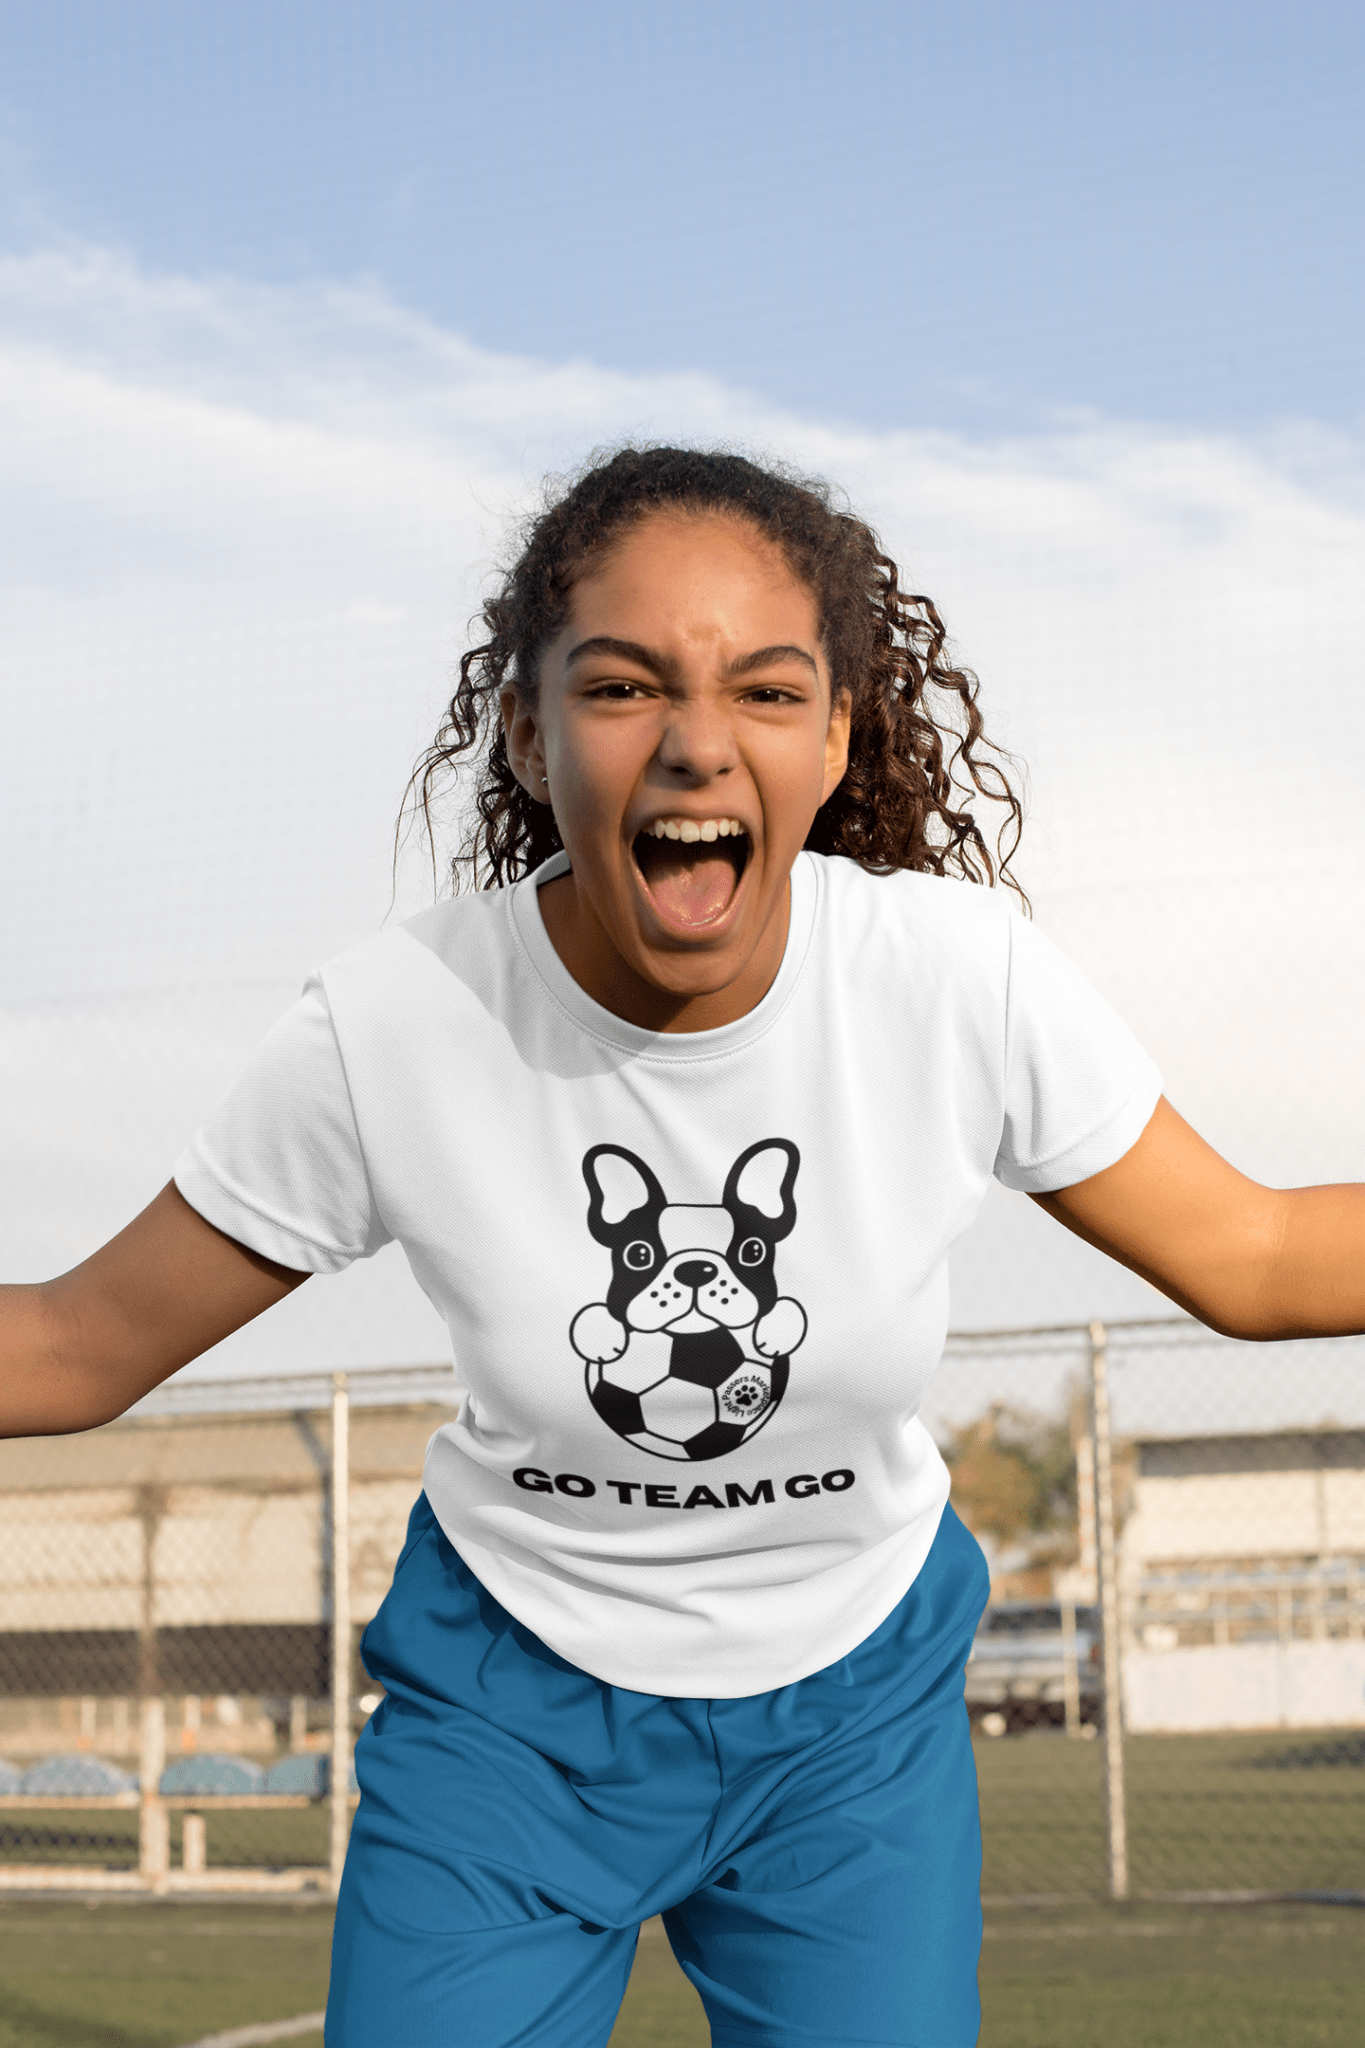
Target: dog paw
781,1330
596,1335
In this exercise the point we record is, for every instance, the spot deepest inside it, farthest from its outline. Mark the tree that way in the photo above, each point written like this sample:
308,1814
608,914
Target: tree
1014,1477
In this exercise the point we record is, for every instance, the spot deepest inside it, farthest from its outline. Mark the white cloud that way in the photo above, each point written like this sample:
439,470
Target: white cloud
243,528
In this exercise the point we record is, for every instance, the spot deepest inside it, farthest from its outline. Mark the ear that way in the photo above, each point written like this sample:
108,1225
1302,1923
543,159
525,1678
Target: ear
620,1186
762,1179
836,743
525,752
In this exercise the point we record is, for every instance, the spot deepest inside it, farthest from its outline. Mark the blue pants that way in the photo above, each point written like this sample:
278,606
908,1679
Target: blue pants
814,1851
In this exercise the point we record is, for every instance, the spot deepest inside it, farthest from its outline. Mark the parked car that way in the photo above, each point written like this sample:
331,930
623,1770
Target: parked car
1016,1673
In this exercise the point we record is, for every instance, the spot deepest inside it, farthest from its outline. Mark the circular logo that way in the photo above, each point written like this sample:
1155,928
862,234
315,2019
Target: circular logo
746,1397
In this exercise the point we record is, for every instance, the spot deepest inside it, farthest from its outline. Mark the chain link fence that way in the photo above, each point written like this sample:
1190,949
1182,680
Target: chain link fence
1169,1687
178,1706
1168,1690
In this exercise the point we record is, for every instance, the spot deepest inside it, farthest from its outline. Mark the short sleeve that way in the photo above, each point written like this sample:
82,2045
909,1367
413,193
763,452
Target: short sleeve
279,1165
1079,1089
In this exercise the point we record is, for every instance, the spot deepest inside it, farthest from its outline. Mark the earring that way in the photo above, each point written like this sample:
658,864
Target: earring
546,780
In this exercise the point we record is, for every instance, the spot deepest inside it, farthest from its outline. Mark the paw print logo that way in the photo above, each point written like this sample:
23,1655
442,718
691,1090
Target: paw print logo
745,1397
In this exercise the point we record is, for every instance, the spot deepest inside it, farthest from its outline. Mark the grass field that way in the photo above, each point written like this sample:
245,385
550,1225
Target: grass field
1144,1976
257,1838
152,1975
1279,1812
1228,1813
1282,1812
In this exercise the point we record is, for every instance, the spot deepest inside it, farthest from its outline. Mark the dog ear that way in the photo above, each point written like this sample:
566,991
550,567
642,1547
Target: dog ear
620,1186
762,1179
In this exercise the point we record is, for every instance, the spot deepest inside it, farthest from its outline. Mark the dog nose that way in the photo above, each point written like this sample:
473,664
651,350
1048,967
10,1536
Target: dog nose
695,1273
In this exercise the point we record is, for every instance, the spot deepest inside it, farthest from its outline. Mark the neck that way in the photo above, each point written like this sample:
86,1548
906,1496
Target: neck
601,971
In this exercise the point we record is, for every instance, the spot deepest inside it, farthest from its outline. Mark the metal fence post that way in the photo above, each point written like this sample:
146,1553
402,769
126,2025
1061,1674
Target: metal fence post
341,1627
1116,1807
1071,1677
154,1834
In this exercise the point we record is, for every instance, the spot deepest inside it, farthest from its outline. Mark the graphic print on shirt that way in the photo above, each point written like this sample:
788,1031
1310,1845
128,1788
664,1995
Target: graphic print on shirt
689,1354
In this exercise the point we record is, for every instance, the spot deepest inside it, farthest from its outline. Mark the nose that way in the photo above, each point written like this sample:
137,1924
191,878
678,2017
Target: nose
696,1272
698,744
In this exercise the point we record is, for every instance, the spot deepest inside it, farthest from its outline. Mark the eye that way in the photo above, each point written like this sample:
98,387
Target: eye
752,1252
640,1255
616,690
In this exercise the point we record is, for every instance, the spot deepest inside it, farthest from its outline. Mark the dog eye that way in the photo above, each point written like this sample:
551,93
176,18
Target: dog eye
640,1255
752,1252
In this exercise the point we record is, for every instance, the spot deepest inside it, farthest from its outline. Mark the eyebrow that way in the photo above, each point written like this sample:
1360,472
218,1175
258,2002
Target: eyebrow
659,665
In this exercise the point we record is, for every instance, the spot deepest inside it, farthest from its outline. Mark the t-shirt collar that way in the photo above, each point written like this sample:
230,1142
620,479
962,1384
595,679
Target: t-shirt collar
603,1024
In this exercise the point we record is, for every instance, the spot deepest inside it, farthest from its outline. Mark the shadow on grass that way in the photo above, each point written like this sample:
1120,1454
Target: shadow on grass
41,1845
1335,1753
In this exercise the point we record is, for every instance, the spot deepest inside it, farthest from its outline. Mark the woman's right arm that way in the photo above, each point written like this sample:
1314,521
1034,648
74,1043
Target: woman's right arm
78,1350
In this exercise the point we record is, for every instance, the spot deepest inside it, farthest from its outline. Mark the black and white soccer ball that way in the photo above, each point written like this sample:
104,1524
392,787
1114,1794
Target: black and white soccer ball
687,1396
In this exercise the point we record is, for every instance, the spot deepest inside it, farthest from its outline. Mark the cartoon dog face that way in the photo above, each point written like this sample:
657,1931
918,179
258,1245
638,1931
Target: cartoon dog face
689,1355
686,1266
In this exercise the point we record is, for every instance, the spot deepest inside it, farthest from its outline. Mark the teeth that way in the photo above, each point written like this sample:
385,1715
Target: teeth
690,830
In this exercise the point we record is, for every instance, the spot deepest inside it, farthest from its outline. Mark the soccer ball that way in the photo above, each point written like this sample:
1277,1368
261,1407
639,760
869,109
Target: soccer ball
691,1396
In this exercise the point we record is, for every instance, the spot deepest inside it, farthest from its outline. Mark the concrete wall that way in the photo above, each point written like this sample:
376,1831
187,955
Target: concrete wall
1245,1537
1291,1493
1244,1685
202,1521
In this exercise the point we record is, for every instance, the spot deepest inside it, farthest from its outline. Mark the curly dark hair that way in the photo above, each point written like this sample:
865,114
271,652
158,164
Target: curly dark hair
917,746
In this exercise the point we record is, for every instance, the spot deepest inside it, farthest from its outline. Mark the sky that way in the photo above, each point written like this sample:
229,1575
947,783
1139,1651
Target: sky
298,305
974,216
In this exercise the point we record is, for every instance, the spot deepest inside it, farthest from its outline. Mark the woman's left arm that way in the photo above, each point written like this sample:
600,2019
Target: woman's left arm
1248,1260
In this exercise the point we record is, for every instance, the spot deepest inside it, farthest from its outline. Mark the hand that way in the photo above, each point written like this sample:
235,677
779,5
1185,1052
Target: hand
777,1334
596,1335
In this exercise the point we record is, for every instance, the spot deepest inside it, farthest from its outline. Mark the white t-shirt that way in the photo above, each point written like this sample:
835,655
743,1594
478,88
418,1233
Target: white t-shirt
696,1282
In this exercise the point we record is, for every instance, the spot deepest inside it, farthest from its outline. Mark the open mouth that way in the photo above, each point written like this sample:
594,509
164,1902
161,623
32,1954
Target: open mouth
692,867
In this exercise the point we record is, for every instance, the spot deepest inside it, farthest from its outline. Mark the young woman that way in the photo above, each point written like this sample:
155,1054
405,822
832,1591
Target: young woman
676,1125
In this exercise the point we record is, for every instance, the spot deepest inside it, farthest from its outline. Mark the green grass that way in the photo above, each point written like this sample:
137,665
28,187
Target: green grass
1042,1815
1166,1976
1215,1813
153,1974
257,1838
660,2010
1126,1977
158,1975
1265,1812
119,1975
1205,1813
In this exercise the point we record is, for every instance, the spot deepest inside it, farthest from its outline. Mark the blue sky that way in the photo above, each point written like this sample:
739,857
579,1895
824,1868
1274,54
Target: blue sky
973,216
